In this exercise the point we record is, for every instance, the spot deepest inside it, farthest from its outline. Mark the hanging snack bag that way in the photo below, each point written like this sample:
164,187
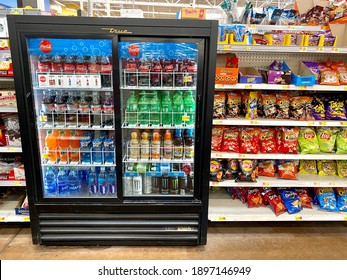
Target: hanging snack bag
326,139
232,193
269,105
342,168
335,109
341,195
271,197
231,169
308,108
254,198
244,101
233,105
231,140
286,169
216,170
289,141
329,77
248,141
308,141
247,170
217,138
326,167
267,141
291,200
297,108
260,105
308,167
318,108
282,106
326,199
304,197
241,194
278,135
342,74
341,141
251,106
219,105
267,168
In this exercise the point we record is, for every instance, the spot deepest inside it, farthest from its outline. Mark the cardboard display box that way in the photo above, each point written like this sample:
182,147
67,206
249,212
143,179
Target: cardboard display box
192,13
249,75
226,69
301,74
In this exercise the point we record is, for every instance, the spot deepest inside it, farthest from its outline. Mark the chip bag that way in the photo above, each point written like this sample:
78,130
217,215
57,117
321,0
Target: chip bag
251,106
219,105
232,193
254,198
248,141
308,141
217,138
326,139
291,200
308,167
282,104
297,108
335,109
342,74
286,169
304,197
341,195
341,141
329,77
269,105
233,105
326,167
241,194
267,141
267,168
275,202
231,169
231,140
342,168
216,170
247,170
318,108
326,199
289,141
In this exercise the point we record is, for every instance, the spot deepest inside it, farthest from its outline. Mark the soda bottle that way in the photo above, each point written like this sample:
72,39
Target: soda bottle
130,69
108,109
154,108
72,108
189,107
93,66
97,151
50,183
58,63
93,186
168,69
47,105
189,144
144,146
106,71
112,181
179,73
167,145
102,181
62,183
81,65
51,145
60,108
178,145
70,64
191,75
96,108
74,183
156,73
85,149
134,150
45,63
109,151
143,108
83,118
131,108
74,143
166,108
63,145
155,146
177,107
143,73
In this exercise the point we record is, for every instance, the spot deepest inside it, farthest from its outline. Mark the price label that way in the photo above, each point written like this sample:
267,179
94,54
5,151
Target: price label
343,123
254,122
228,47
187,79
302,87
303,49
11,149
17,183
43,118
2,218
310,123
185,118
345,218
285,87
219,86
26,219
298,218
266,184
323,123
221,218
248,48
242,155
292,27
248,86
251,26
217,122
218,155
335,50
320,49
332,184
316,184
345,89
214,183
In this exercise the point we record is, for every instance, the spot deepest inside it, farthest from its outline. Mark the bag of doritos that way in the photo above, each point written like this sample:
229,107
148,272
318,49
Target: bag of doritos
291,200
304,197
254,198
275,202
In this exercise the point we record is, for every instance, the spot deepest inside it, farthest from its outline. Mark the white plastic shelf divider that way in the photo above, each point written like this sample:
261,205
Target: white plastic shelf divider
8,110
321,156
224,209
278,122
280,87
5,183
8,149
303,181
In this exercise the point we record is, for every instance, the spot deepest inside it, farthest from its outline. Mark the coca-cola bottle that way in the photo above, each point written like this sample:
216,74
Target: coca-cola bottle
179,65
84,109
58,63
191,72
45,63
108,109
156,73
130,72
96,108
81,65
47,106
168,68
60,108
106,71
143,73
93,66
72,108
70,64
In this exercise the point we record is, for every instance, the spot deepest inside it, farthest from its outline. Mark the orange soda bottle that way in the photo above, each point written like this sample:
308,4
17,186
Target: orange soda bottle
74,143
63,145
51,145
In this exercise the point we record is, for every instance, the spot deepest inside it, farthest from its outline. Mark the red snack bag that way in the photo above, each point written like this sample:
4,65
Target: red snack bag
248,141
231,140
278,136
289,141
272,198
342,73
254,198
267,141
267,168
286,170
241,194
217,137
269,105
304,197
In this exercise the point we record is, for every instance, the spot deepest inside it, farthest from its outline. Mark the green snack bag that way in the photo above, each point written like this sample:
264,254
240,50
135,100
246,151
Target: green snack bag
308,141
326,167
341,141
342,168
326,139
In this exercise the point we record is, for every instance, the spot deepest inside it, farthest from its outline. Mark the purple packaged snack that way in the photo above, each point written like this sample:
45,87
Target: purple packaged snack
335,109
329,41
313,41
314,67
276,65
318,108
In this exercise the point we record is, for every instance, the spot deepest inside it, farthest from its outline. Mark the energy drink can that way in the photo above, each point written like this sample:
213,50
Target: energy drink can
173,185
137,185
164,185
128,185
183,185
147,184
156,184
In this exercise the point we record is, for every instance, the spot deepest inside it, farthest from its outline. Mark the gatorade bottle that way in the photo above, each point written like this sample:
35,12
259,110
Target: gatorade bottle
166,108
144,146
51,145
74,143
143,108
154,108
63,145
131,108
177,107
155,146
189,107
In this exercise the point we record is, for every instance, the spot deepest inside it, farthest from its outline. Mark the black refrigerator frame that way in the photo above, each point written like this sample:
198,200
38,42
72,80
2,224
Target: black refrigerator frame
120,221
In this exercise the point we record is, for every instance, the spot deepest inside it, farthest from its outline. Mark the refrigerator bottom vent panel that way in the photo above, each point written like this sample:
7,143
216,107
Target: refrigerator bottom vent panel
114,229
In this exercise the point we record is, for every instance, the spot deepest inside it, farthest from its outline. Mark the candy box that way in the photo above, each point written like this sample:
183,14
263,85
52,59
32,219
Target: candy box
249,75
226,69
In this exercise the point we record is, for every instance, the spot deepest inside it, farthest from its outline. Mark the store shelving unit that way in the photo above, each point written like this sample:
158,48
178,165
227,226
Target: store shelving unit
221,206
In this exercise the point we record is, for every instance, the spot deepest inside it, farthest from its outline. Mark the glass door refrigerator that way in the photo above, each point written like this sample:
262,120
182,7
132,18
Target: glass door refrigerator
116,117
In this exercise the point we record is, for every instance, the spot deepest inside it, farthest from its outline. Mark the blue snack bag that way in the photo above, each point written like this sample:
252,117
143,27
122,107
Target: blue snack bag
326,199
341,195
291,200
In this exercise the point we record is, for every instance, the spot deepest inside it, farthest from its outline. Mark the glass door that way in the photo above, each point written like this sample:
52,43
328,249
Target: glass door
158,101
74,115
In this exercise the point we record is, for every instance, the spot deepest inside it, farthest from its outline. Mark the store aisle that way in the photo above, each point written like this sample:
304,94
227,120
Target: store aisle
321,240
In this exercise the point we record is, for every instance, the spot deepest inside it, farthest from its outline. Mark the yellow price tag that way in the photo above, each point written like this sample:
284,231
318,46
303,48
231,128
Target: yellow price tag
266,184
345,88
303,49
11,149
17,183
343,123
26,219
335,50
43,118
45,156
248,48
185,118
285,87
228,47
217,122
251,26
320,49
298,218
248,86
316,184
242,156
187,79
310,123
322,123
219,155
302,87
218,86
254,122
291,27
221,218
345,218
2,218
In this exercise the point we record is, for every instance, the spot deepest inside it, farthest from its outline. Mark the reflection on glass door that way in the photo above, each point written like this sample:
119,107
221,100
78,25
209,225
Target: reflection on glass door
158,97
73,102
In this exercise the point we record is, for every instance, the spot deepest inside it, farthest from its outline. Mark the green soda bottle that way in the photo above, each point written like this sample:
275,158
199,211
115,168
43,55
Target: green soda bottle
131,108
189,106
166,108
177,107
143,108
154,108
